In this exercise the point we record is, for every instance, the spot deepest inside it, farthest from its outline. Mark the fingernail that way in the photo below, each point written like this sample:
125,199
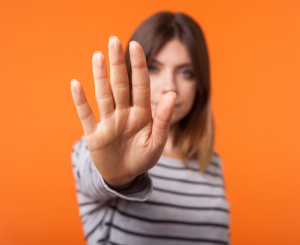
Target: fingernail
74,82
95,58
112,40
96,52
174,94
131,43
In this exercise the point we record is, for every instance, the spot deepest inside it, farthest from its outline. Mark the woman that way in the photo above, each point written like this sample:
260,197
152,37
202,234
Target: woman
147,172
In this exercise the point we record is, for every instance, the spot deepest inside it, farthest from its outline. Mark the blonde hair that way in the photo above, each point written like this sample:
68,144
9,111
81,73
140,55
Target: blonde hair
197,141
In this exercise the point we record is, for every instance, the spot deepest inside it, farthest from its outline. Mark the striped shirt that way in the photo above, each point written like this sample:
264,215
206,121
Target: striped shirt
170,204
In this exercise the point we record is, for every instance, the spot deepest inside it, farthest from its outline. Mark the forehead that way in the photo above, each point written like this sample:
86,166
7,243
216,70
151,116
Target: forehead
173,52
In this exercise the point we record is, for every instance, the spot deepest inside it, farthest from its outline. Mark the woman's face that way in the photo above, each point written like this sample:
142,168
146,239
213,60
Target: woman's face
172,70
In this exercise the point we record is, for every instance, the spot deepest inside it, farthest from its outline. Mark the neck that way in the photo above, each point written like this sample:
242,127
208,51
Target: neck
169,149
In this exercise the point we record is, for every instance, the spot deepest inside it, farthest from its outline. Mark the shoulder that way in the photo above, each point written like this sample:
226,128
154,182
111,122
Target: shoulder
216,163
217,159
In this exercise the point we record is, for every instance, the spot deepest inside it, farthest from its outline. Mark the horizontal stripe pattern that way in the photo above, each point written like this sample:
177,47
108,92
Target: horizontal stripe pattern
164,221
186,181
188,194
186,207
207,172
183,207
160,238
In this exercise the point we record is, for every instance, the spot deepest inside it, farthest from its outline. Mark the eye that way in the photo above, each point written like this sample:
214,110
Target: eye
188,73
152,68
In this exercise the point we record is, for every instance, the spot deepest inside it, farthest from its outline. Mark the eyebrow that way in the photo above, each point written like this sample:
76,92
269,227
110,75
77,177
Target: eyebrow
187,64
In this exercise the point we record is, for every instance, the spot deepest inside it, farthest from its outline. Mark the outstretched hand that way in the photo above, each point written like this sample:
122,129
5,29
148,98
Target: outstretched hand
127,141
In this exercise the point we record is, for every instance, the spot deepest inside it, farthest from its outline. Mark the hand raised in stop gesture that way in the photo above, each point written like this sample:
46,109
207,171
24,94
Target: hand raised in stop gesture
127,141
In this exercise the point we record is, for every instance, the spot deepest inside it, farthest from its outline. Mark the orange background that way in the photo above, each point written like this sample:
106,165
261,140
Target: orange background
254,52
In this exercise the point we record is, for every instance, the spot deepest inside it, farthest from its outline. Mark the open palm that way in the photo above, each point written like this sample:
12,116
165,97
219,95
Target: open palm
127,141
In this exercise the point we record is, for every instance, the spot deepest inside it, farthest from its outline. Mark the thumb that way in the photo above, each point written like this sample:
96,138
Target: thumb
162,118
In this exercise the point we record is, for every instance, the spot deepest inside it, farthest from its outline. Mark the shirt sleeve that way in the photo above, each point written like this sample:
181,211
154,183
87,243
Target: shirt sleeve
90,183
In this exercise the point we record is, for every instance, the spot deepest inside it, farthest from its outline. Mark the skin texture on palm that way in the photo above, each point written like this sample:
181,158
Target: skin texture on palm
127,141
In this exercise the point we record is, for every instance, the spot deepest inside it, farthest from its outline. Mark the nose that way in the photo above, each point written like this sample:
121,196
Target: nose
169,82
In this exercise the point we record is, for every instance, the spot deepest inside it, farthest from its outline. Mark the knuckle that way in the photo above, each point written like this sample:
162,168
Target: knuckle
85,116
120,84
103,96
139,65
142,86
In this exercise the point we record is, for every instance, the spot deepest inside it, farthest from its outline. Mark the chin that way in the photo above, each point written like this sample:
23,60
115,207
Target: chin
175,119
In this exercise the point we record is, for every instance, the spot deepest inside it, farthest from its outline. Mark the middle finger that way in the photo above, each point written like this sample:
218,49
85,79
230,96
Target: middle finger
118,73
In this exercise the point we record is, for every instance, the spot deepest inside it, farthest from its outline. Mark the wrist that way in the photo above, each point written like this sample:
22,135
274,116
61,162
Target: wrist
126,185
120,187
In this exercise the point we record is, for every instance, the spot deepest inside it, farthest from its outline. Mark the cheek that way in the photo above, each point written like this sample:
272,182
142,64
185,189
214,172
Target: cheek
190,99
189,91
154,91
